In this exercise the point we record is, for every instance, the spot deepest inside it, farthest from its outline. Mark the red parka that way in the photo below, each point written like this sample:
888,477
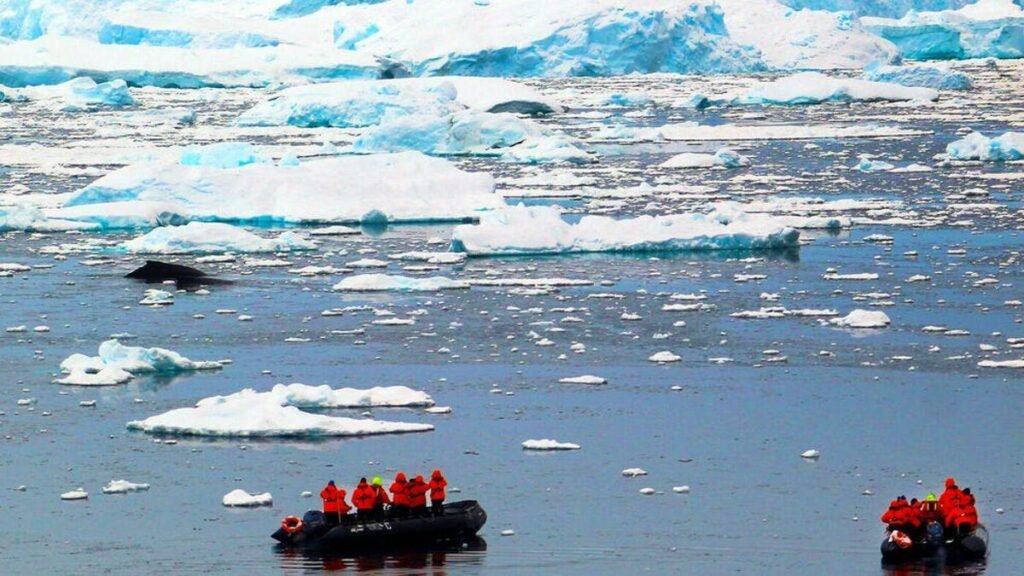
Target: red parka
363,496
400,490
437,486
334,500
418,493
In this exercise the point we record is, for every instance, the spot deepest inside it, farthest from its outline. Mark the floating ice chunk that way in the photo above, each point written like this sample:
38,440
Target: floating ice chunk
430,257
684,489
117,364
691,131
79,94
438,410
1002,363
862,319
207,237
648,491
253,414
867,164
241,499
634,472
124,487
724,157
378,188
548,444
385,282
810,454
586,379
78,494
335,231
857,276
976,146
664,356
541,230
508,532
923,75
156,297
815,88
305,396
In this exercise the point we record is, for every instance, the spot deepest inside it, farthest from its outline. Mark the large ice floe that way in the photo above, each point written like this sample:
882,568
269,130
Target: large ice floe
815,88
117,364
923,75
55,59
249,413
387,282
404,187
986,28
361,103
210,237
541,230
977,146
594,38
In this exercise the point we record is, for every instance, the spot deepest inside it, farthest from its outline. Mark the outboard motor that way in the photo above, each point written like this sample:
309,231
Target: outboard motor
313,520
934,534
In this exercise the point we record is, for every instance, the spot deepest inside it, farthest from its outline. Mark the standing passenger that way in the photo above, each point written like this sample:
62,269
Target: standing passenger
418,496
363,498
437,486
380,497
400,495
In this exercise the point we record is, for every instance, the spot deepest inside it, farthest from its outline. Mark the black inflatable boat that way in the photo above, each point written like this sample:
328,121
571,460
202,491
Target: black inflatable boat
934,543
459,522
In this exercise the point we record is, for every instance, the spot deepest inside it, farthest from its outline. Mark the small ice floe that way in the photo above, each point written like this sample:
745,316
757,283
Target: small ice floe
439,410
1002,363
684,489
918,278
508,532
634,472
647,491
863,276
87,403
664,356
117,364
862,319
26,401
41,329
335,231
16,329
385,282
124,487
810,454
155,297
725,158
306,494
548,444
77,494
585,379
241,499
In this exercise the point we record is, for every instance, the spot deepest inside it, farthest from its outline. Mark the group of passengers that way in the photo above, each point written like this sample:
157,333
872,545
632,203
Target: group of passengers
372,501
954,510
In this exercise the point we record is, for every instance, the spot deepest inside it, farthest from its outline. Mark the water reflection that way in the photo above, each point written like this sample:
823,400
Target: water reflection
933,567
408,562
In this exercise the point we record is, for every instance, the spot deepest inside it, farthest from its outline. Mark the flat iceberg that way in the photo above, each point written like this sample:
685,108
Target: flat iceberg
361,103
984,29
404,187
549,444
977,146
117,363
58,59
862,319
305,396
815,88
543,38
124,487
260,414
923,75
386,282
474,134
209,238
725,158
541,230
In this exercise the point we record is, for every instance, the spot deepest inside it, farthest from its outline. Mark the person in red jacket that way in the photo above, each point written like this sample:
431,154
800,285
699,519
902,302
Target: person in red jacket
437,486
400,495
418,496
950,498
334,503
363,497
964,517
380,497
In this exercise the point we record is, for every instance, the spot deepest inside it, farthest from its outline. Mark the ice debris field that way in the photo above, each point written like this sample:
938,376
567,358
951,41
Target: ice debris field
638,276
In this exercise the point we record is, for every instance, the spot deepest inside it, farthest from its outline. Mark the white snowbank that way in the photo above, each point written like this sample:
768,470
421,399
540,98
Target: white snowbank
541,230
977,146
117,363
239,498
210,237
862,319
124,487
261,414
384,282
548,444
378,188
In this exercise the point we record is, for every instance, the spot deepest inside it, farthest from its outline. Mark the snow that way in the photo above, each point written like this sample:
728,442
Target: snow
541,230
405,187
117,363
724,157
862,319
239,498
594,38
305,396
984,29
77,95
977,146
261,414
124,487
664,356
585,379
386,282
361,103
924,75
210,237
815,88
58,59
548,444
473,133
